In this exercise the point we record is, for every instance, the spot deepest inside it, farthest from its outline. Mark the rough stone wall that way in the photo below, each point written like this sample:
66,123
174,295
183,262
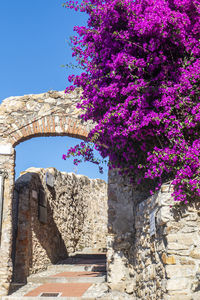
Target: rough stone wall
51,113
120,231
7,167
76,209
48,114
150,260
134,258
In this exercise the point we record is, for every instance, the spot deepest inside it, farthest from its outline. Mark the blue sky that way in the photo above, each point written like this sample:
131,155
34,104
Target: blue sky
34,36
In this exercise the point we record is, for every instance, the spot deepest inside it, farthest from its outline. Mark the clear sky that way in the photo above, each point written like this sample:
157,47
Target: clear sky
34,38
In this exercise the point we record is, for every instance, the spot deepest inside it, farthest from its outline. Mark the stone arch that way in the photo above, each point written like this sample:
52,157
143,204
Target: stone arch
21,118
52,113
50,125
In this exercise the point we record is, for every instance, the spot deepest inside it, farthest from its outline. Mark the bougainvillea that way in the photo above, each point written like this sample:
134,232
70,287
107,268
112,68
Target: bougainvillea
141,78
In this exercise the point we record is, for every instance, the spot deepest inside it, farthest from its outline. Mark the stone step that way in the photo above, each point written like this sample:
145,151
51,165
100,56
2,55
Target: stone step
78,268
42,280
47,298
89,255
90,251
86,256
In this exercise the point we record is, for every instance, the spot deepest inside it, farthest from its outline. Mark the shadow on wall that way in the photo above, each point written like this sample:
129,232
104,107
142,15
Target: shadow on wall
54,215
135,267
37,241
122,247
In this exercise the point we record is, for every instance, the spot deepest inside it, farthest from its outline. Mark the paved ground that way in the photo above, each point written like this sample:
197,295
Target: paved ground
63,289
80,277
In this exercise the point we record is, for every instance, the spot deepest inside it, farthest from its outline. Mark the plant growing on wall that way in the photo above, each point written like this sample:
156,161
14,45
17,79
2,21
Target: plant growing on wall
141,80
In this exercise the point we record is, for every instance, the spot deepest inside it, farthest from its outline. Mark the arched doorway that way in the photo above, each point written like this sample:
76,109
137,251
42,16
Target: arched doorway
21,118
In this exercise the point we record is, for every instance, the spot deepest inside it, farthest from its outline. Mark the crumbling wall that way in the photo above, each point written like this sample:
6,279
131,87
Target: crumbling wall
153,248
57,217
21,118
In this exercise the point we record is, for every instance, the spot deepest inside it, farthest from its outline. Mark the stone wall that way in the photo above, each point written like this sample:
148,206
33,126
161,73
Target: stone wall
163,266
23,117
153,248
7,163
51,113
72,217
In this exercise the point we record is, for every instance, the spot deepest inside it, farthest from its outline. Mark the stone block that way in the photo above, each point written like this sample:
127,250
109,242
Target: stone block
164,215
168,260
191,217
42,214
167,188
42,198
196,296
34,194
118,269
152,230
120,286
195,253
164,199
179,252
182,240
186,261
177,284
50,179
130,286
177,246
44,109
149,273
6,149
178,271
178,297
188,228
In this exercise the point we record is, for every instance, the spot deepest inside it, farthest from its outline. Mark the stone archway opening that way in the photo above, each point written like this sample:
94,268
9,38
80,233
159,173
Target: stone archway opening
49,114
55,215
43,152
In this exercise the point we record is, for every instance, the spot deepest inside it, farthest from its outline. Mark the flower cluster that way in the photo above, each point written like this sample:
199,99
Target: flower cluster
85,153
141,85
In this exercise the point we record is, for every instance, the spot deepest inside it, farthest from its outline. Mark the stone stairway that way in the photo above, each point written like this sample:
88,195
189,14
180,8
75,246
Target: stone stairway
82,276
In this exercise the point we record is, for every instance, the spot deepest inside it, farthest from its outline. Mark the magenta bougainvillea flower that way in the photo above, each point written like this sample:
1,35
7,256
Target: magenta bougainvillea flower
141,85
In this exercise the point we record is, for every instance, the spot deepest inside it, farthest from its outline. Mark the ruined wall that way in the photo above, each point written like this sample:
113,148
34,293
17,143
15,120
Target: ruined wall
158,257
72,217
140,266
23,117
7,163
